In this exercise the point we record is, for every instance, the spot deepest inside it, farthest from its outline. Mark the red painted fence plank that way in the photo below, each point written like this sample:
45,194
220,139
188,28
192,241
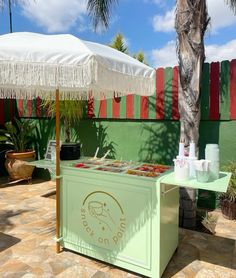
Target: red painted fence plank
129,107
144,108
20,107
175,106
116,107
29,108
90,107
103,109
214,91
233,90
160,93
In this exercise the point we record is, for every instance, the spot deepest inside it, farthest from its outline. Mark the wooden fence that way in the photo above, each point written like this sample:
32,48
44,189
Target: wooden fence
218,101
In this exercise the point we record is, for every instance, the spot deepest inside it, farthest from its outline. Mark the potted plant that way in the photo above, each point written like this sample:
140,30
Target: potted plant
19,134
71,111
4,147
228,199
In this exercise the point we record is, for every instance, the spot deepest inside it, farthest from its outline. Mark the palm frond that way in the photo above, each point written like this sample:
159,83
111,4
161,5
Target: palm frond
4,3
100,10
71,112
232,5
231,191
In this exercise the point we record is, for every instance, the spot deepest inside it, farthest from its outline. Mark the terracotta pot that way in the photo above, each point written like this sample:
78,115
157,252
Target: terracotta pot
16,164
228,209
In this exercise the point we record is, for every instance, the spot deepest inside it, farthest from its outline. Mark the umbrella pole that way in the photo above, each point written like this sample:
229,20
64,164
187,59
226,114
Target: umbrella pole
57,172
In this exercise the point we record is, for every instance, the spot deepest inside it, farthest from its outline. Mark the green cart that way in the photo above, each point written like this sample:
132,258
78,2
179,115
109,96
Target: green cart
122,215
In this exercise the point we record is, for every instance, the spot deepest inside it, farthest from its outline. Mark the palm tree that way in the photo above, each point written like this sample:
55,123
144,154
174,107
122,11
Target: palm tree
9,4
191,23
119,43
100,11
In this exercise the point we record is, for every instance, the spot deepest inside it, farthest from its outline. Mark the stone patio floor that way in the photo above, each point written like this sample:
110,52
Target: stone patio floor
27,248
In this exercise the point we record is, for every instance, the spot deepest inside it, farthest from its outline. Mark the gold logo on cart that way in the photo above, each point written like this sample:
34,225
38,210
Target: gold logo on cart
103,218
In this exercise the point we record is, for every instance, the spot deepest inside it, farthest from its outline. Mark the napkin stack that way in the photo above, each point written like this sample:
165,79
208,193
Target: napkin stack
202,165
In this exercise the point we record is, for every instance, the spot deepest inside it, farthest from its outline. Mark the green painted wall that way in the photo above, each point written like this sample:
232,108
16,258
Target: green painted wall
223,133
141,140
153,141
132,140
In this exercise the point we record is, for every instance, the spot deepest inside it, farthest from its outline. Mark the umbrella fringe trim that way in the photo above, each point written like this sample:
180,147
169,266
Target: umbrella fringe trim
28,81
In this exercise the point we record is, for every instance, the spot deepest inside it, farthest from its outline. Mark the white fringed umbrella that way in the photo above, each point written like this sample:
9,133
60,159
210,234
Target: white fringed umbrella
33,65
65,67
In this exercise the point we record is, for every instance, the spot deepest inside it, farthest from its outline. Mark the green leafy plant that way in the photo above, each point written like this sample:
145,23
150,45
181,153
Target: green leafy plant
230,195
19,134
71,111
209,221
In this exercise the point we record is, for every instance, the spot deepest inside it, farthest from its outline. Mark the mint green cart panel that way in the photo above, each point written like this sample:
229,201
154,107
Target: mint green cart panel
123,220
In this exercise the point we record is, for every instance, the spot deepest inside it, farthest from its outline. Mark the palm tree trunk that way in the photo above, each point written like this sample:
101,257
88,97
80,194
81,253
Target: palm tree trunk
10,15
190,23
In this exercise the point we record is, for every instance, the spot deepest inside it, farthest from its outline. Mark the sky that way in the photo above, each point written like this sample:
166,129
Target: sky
147,25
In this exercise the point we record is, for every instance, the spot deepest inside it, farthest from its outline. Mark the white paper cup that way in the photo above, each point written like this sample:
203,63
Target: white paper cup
181,173
202,176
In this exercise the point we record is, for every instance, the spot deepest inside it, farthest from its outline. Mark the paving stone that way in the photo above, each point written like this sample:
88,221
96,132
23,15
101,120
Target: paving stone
27,247
14,268
100,274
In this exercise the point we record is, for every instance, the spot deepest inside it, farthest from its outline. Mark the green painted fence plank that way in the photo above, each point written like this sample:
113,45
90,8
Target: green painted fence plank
168,93
123,107
205,91
96,108
109,108
24,108
225,91
33,103
42,109
152,107
137,106
7,110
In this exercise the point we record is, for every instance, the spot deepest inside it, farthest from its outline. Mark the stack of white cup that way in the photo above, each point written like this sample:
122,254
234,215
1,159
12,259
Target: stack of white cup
191,158
212,154
181,165
184,165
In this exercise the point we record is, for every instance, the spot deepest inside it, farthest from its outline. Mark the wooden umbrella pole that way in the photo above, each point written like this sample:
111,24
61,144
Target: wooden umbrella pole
58,234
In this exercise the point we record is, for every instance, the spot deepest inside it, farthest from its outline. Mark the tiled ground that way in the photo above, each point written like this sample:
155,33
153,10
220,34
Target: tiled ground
27,248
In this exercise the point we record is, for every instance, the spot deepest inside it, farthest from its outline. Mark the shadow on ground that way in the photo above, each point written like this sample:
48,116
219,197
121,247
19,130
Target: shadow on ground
7,241
5,215
194,251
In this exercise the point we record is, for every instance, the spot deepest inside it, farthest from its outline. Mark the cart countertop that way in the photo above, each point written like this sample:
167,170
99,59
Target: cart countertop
219,185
